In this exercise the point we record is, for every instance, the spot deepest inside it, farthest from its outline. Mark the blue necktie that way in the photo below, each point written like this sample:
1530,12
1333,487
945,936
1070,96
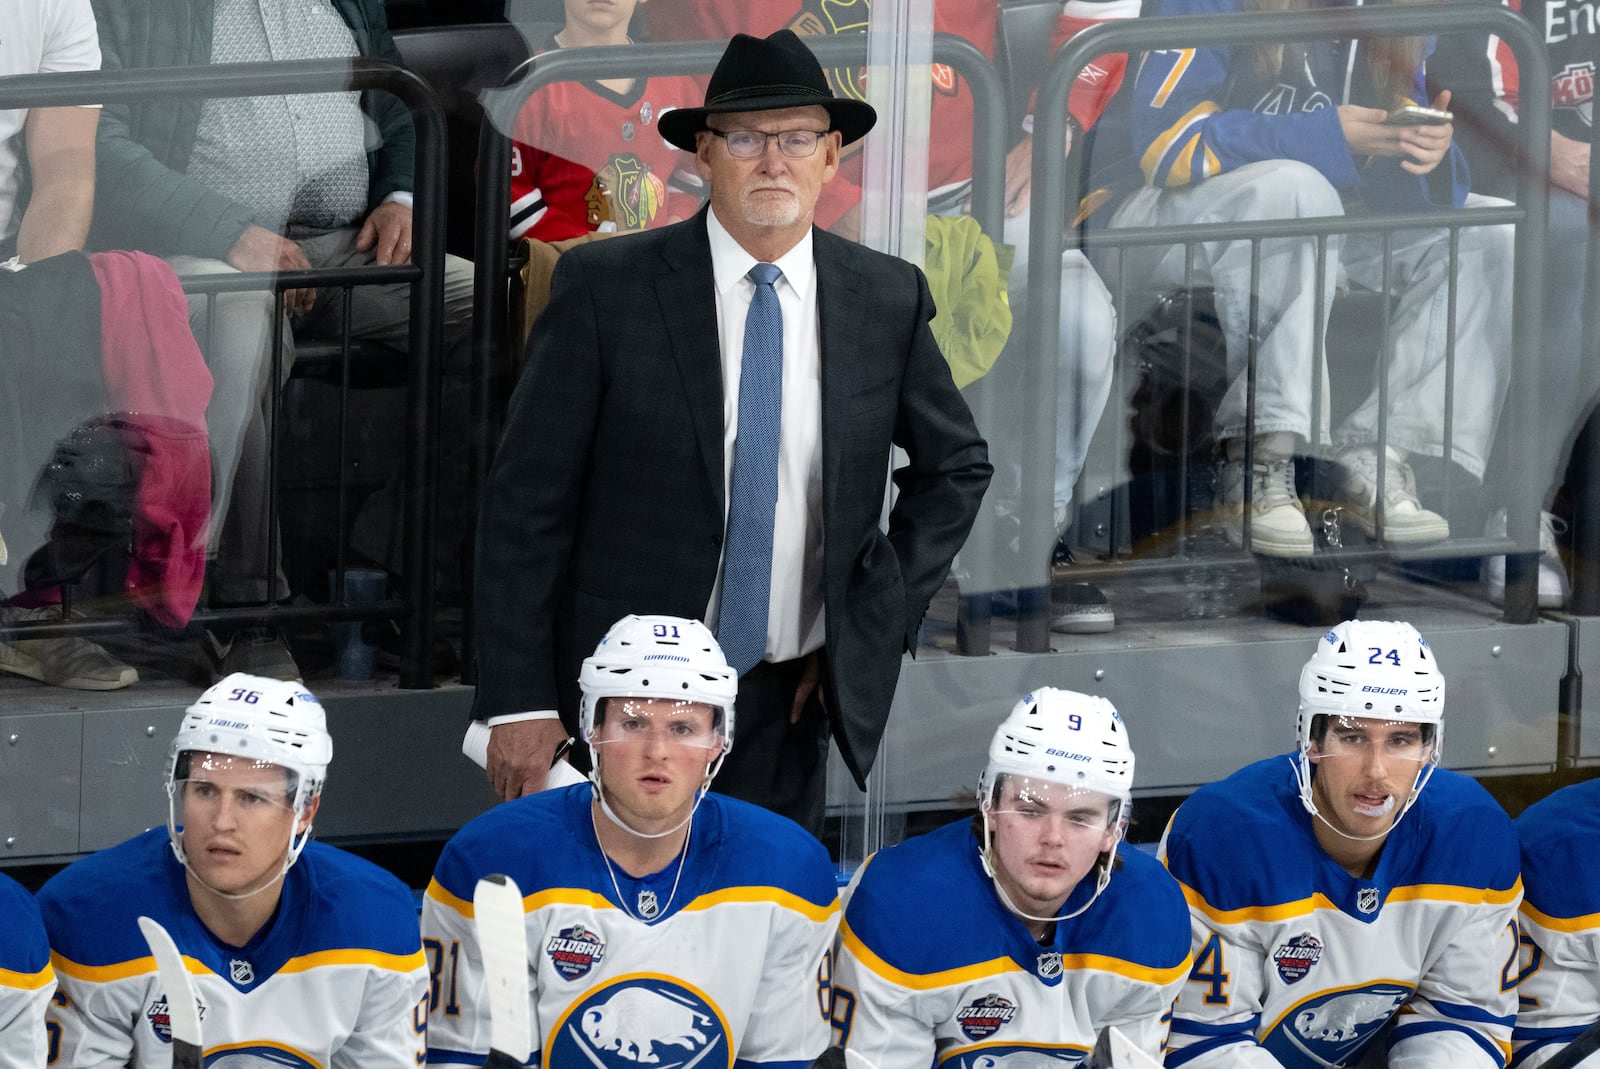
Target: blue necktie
753,489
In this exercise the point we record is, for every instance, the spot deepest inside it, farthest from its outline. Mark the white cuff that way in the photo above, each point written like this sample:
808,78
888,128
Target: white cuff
400,197
513,718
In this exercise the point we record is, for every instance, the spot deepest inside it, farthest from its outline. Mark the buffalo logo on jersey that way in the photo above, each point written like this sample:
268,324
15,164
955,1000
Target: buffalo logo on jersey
160,1017
1295,958
1006,1057
574,951
1334,1027
641,1020
985,1016
626,193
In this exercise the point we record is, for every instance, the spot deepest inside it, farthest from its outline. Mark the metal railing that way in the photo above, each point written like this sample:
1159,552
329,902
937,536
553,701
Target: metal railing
1049,236
425,276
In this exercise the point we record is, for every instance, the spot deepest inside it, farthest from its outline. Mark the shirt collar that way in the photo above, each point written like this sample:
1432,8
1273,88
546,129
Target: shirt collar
730,262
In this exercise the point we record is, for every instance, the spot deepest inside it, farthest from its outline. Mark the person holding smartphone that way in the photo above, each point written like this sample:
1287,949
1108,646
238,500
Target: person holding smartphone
1299,131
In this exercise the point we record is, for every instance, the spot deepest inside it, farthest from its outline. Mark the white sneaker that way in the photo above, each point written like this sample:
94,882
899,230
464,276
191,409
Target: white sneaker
1277,519
1553,586
1405,521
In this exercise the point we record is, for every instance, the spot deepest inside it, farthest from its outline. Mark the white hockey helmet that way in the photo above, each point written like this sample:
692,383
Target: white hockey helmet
270,721
666,657
1376,670
1062,736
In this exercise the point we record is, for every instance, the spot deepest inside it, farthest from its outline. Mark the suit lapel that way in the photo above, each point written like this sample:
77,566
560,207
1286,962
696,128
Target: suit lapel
688,308
841,313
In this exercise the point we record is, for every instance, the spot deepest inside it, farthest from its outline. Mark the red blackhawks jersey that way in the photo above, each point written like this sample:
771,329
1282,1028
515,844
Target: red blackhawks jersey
584,158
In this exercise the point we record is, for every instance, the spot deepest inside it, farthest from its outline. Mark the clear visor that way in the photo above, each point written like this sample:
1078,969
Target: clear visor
1029,800
249,784
659,720
1348,737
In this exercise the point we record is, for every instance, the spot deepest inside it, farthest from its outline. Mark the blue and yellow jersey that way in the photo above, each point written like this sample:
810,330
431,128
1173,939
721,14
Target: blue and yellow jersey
335,979
1297,963
26,979
934,970
1560,988
1198,112
726,960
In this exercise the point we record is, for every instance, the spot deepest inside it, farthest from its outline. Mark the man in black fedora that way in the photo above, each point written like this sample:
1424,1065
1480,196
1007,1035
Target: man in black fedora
703,429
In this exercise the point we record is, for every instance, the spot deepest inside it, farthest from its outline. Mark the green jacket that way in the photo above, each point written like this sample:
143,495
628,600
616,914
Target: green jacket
143,197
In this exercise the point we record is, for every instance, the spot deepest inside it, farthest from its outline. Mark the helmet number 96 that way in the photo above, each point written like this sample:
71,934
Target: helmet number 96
1377,655
249,697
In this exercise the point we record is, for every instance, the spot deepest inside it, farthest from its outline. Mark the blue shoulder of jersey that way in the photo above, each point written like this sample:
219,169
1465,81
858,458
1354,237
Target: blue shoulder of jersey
350,903
1140,918
92,907
1462,837
1558,837
529,839
758,848
24,947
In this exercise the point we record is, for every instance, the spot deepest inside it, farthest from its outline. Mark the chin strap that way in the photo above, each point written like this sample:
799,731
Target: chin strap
1302,776
605,806
290,855
985,854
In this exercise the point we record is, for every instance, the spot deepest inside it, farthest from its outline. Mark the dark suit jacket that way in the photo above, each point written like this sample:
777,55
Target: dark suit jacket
606,496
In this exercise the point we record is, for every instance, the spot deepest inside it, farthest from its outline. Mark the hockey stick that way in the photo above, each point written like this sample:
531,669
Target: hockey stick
501,927
1576,1051
1113,1050
183,1014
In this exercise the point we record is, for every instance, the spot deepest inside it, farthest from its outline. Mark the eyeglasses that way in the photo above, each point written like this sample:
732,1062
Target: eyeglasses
749,144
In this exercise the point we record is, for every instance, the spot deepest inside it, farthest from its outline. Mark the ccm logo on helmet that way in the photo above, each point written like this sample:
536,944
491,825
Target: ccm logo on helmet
1384,690
1068,756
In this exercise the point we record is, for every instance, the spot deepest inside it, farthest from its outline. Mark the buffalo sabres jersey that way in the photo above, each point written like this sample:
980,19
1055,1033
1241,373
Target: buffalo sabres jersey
1560,985
934,970
335,980
1299,964
724,958
26,979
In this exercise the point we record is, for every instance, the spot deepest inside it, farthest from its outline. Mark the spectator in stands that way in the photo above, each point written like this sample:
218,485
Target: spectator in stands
1061,935
1486,86
1352,898
1559,983
260,184
306,955
1273,132
634,455
1086,332
586,156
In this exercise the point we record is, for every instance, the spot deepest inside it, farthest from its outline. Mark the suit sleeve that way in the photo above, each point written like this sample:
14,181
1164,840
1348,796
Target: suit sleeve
393,164
525,529
946,474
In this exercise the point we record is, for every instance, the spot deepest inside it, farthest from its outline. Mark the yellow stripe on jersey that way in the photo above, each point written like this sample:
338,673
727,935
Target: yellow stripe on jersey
1150,162
1170,82
1560,924
775,895
1445,892
922,981
1132,970
1281,911
299,1057
122,970
570,896
356,956
27,981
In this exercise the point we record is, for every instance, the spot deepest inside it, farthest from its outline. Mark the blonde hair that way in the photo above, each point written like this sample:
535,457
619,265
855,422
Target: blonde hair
1391,63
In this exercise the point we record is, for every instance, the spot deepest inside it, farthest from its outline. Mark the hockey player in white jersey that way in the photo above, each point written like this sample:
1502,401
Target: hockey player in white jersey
26,979
1351,886
1560,976
665,925
1012,939
303,956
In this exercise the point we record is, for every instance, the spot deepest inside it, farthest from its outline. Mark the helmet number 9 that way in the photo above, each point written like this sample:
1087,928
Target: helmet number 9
1075,722
664,630
249,697
1378,656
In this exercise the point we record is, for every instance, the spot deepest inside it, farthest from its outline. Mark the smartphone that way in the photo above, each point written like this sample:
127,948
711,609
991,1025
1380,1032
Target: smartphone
1417,115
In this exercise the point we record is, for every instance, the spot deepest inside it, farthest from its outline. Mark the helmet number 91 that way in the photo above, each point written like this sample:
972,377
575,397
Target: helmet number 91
1377,655
664,630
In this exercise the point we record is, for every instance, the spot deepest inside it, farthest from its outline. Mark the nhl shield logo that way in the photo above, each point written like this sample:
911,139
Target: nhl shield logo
985,1016
648,906
574,951
240,972
1295,958
1050,965
1367,900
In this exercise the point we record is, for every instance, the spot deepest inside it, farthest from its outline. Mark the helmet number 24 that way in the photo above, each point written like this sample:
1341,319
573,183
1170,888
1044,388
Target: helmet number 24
1377,655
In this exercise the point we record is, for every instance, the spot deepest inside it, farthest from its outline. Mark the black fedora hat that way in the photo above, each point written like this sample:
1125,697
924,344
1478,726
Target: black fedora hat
765,74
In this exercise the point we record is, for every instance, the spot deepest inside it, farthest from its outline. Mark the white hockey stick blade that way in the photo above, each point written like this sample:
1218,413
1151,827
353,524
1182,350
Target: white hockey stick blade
1113,1050
501,927
183,1012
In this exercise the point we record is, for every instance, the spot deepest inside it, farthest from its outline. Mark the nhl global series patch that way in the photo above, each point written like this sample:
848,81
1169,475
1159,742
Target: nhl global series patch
1295,958
984,1016
574,951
